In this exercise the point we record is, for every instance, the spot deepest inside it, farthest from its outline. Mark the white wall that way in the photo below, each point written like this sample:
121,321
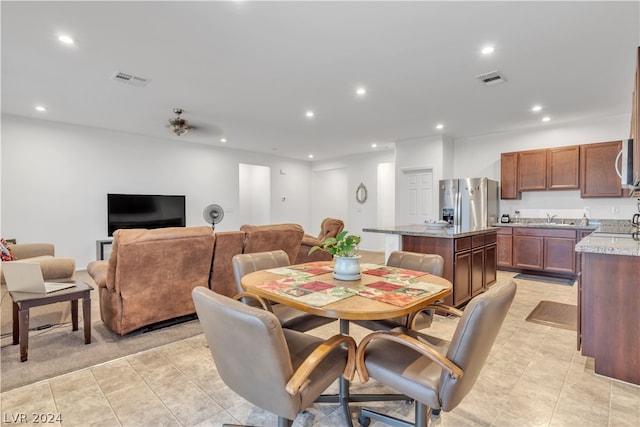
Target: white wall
354,170
55,178
480,156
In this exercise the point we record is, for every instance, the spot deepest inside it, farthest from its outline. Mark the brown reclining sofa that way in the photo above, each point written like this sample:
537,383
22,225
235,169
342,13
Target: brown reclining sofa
150,274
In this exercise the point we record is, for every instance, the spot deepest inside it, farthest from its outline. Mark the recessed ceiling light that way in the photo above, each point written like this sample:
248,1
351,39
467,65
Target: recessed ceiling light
487,50
546,118
65,39
41,108
439,126
536,108
374,145
310,156
309,114
361,91
223,140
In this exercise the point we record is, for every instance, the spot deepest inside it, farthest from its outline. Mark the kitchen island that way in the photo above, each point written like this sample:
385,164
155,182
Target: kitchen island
469,256
609,302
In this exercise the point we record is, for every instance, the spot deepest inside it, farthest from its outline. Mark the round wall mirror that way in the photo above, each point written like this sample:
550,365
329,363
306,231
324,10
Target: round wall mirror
361,193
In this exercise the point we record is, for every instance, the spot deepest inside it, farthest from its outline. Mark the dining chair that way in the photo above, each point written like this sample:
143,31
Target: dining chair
436,373
429,263
279,370
290,317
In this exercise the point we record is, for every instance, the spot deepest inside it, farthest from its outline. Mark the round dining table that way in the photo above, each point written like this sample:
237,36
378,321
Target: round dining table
380,293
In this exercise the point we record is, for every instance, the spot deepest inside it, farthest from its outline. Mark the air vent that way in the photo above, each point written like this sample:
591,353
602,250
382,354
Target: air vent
130,79
491,78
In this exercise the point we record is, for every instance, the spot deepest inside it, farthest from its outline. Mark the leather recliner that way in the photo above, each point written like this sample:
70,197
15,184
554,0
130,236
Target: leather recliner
330,227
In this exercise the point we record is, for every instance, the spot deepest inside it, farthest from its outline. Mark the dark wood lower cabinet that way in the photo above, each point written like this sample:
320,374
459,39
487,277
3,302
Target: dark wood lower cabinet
470,262
609,318
538,249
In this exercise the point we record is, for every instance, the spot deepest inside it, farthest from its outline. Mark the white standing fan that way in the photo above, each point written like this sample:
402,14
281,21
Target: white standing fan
213,214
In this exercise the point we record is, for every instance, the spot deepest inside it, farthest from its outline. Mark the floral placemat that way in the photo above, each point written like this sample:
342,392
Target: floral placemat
304,270
397,293
395,273
312,292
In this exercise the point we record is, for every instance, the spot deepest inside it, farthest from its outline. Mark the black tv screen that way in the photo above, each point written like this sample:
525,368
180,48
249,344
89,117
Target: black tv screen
144,211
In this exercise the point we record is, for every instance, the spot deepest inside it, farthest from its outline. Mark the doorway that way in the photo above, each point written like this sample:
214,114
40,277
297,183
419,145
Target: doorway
254,182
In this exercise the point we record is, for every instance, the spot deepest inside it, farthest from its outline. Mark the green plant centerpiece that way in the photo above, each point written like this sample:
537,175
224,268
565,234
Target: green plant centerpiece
344,248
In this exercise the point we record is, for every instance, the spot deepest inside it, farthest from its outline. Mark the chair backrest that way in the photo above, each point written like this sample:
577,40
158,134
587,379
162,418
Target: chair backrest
249,350
430,263
262,238
244,264
330,227
473,339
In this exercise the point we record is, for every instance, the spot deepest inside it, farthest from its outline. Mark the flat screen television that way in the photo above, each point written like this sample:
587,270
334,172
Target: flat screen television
144,211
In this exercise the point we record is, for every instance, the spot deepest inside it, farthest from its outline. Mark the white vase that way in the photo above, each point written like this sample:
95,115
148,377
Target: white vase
346,267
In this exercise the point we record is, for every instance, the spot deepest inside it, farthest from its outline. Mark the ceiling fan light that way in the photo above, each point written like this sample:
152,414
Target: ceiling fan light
179,126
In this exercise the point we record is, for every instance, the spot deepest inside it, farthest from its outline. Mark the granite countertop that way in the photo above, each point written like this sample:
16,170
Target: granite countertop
614,238
449,232
610,244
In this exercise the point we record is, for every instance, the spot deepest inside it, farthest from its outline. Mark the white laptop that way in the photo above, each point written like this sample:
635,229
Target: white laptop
27,277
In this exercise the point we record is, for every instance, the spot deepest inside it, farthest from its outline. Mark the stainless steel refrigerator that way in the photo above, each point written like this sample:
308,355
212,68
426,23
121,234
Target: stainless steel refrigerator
469,203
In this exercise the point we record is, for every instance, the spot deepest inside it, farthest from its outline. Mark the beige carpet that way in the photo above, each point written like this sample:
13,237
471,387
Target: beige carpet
555,314
55,349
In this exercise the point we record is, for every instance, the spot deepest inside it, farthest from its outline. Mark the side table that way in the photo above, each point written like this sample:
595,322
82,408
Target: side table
23,301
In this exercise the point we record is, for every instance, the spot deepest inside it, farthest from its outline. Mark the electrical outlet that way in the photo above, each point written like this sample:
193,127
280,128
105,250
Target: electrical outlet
587,210
615,209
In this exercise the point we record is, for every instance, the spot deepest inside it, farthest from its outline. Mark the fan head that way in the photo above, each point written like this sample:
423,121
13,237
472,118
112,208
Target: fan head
213,214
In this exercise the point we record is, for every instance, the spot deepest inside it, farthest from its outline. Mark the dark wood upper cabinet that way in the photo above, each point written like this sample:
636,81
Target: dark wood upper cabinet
532,170
563,168
509,176
598,177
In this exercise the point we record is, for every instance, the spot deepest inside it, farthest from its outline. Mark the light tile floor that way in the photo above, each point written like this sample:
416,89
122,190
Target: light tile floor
534,377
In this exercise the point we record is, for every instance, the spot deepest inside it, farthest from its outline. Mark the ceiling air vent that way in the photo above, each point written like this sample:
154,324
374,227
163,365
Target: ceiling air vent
491,78
130,79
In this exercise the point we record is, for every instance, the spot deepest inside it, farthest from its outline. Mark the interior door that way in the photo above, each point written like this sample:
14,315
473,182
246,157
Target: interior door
418,192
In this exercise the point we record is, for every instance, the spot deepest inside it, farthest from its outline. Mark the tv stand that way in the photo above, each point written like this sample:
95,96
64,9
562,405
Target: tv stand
100,244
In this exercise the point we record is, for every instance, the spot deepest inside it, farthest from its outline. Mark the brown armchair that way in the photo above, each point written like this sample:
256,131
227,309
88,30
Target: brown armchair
330,227
279,370
150,275
53,268
436,373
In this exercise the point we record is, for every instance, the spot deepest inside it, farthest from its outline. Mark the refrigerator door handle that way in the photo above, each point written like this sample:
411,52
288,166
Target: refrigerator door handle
458,209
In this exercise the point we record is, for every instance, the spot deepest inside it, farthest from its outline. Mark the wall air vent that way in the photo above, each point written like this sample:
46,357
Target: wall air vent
491,78
130,79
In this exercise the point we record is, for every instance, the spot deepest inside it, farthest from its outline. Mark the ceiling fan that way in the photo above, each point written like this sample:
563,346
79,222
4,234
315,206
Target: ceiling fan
178,125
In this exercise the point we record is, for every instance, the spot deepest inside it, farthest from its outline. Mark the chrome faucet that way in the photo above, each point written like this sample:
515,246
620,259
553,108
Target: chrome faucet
550,218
